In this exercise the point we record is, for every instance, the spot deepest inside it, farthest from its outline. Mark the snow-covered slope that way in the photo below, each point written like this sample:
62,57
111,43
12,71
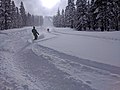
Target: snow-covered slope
62,59
102,47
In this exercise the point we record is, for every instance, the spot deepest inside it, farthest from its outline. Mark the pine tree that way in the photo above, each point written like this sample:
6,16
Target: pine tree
19,18
63,18
29,20
23,14
81,9
69,14
102,14
1,15
6,11
106,14
13,15
57,19
115,14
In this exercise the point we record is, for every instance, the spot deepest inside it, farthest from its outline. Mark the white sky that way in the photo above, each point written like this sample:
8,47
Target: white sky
35,7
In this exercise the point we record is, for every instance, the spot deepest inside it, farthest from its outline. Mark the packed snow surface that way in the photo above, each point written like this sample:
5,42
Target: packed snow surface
98,46
62,59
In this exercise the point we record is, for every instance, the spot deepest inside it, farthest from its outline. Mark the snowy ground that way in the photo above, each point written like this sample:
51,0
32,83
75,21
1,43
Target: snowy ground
63,59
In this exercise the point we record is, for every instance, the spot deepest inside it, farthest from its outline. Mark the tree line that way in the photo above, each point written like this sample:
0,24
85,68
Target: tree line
14,17
94,15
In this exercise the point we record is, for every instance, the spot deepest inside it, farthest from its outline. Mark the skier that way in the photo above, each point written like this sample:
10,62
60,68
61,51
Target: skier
35,33
48,30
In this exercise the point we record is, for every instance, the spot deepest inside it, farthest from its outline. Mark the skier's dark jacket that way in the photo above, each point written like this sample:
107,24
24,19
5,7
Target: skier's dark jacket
34,31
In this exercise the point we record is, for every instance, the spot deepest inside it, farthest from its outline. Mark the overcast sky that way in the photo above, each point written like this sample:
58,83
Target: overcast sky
35,7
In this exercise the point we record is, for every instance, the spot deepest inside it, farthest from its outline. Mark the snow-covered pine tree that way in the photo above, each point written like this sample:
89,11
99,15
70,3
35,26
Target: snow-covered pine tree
88,15
13,16
94,13
57,19
19,18
81,8
114,7
1,15
106,14
103,14
5,14
23,14
63,18
69,14
29,19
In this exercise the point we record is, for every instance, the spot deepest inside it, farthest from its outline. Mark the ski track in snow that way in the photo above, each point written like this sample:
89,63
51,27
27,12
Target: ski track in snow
35,67
62,72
